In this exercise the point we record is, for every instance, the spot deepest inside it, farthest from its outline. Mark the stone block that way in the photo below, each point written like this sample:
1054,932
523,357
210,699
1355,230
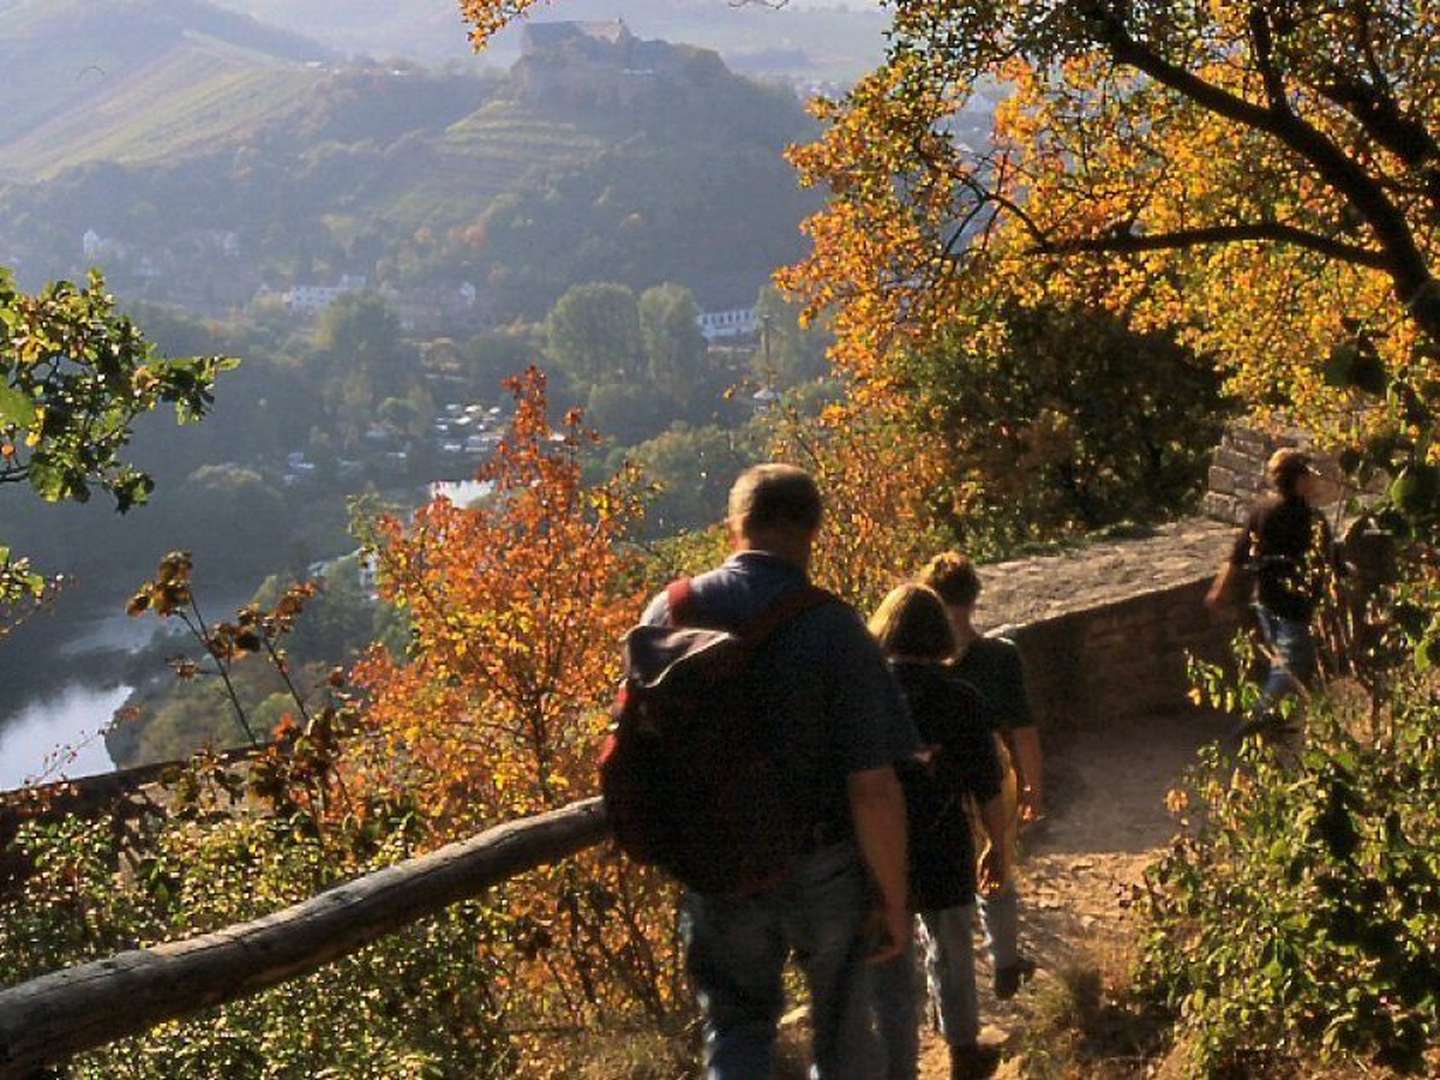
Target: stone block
1221,479
1247,441
1235,461
1220,506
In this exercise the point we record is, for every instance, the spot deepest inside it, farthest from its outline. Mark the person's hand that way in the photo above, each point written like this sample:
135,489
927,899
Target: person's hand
1032,806
993,872
1216,602
890,929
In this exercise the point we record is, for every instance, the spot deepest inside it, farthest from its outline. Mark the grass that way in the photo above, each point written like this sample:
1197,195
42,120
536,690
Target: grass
1086,1022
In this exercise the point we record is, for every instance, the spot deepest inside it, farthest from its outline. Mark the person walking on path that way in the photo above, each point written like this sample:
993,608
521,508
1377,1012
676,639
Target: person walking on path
959,760
992,665
840,726
1286,547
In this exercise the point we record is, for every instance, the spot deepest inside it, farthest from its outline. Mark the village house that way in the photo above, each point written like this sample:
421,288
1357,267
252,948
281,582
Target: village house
737,322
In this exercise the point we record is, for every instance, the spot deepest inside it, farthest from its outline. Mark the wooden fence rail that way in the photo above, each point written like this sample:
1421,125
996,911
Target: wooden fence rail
50,1019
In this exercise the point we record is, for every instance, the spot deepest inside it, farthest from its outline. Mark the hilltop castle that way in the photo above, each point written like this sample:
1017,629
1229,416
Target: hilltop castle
601,65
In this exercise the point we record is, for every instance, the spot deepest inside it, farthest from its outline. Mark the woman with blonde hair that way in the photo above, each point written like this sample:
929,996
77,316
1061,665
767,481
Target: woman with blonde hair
959,759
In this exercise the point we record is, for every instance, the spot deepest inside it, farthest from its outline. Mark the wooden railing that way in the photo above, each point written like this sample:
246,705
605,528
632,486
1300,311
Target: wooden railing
50,1019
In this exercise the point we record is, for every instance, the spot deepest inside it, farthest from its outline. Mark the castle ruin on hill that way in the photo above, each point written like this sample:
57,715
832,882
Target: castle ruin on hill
602,65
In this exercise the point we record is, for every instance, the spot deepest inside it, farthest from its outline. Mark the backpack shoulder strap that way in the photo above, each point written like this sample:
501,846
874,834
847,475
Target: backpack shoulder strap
679,599
788,608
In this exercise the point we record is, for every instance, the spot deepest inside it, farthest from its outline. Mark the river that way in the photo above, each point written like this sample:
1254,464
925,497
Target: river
59,690
59,734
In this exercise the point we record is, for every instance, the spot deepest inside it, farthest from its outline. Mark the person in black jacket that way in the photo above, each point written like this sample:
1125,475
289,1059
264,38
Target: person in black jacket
958,759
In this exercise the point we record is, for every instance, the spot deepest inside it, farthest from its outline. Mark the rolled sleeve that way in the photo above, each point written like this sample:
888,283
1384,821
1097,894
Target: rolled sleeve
870,722
657,612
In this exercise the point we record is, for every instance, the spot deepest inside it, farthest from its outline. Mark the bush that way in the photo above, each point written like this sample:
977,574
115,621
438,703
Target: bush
1298,911
418,1003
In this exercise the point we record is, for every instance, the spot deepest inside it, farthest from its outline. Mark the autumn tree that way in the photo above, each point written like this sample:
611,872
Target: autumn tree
515,607
1263,176
888,507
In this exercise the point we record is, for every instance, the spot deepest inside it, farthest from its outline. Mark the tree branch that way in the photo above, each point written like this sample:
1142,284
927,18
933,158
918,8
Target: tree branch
1263,45
1404,262
1219,234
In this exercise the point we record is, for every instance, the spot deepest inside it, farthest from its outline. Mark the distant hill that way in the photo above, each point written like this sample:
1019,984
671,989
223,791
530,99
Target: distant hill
216,167
138,80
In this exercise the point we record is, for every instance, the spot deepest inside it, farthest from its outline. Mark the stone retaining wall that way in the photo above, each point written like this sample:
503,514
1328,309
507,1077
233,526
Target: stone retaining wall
1105,630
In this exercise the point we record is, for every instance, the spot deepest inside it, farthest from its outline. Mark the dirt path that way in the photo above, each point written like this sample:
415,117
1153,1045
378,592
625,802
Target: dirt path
1106,820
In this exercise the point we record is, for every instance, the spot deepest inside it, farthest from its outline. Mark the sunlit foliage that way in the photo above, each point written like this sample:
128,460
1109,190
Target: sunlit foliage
1259,177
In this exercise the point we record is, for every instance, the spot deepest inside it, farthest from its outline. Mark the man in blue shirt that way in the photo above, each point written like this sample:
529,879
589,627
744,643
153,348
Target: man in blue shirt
841,725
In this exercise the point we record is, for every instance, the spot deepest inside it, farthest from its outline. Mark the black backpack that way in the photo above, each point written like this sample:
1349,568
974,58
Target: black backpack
689,779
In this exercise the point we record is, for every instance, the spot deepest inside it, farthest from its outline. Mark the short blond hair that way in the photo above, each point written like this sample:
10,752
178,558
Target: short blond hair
775,496
953,576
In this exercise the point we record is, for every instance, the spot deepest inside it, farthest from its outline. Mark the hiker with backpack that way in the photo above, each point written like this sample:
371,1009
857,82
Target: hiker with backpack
754,758
959,760
992,665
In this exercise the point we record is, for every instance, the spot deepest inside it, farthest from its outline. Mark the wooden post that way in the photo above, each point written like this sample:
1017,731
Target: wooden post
50,1019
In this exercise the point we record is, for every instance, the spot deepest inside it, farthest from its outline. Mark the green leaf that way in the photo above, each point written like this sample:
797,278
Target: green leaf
1427,656
1415,489
16,407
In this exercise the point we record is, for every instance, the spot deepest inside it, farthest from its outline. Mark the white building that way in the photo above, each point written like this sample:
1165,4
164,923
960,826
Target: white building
738,322
313,299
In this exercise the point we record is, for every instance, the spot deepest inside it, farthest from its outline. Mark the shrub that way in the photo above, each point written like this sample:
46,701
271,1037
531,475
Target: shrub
1298,911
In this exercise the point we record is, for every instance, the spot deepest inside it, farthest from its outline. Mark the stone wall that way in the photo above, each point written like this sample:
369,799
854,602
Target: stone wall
1105,630
1237,471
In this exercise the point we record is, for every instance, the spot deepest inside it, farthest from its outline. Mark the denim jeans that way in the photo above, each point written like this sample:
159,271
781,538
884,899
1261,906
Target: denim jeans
1293,647
950,971
736,949
1000,917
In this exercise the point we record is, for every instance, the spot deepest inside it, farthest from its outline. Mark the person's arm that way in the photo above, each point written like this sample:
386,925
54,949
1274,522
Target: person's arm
1025,749
877,806
996,863
1219,595
1223,588
1022,737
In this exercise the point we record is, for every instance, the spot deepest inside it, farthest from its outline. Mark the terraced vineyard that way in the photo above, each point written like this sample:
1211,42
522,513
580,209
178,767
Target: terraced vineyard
201,93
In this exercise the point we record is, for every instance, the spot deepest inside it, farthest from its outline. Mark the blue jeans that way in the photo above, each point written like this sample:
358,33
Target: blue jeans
736,949
950,971
1000,916
1294,661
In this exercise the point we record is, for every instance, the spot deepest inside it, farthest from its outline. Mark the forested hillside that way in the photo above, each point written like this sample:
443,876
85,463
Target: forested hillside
207,157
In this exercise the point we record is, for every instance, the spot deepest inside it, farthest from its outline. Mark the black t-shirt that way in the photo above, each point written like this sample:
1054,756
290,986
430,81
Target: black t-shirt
1285,545
992,665
948,714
